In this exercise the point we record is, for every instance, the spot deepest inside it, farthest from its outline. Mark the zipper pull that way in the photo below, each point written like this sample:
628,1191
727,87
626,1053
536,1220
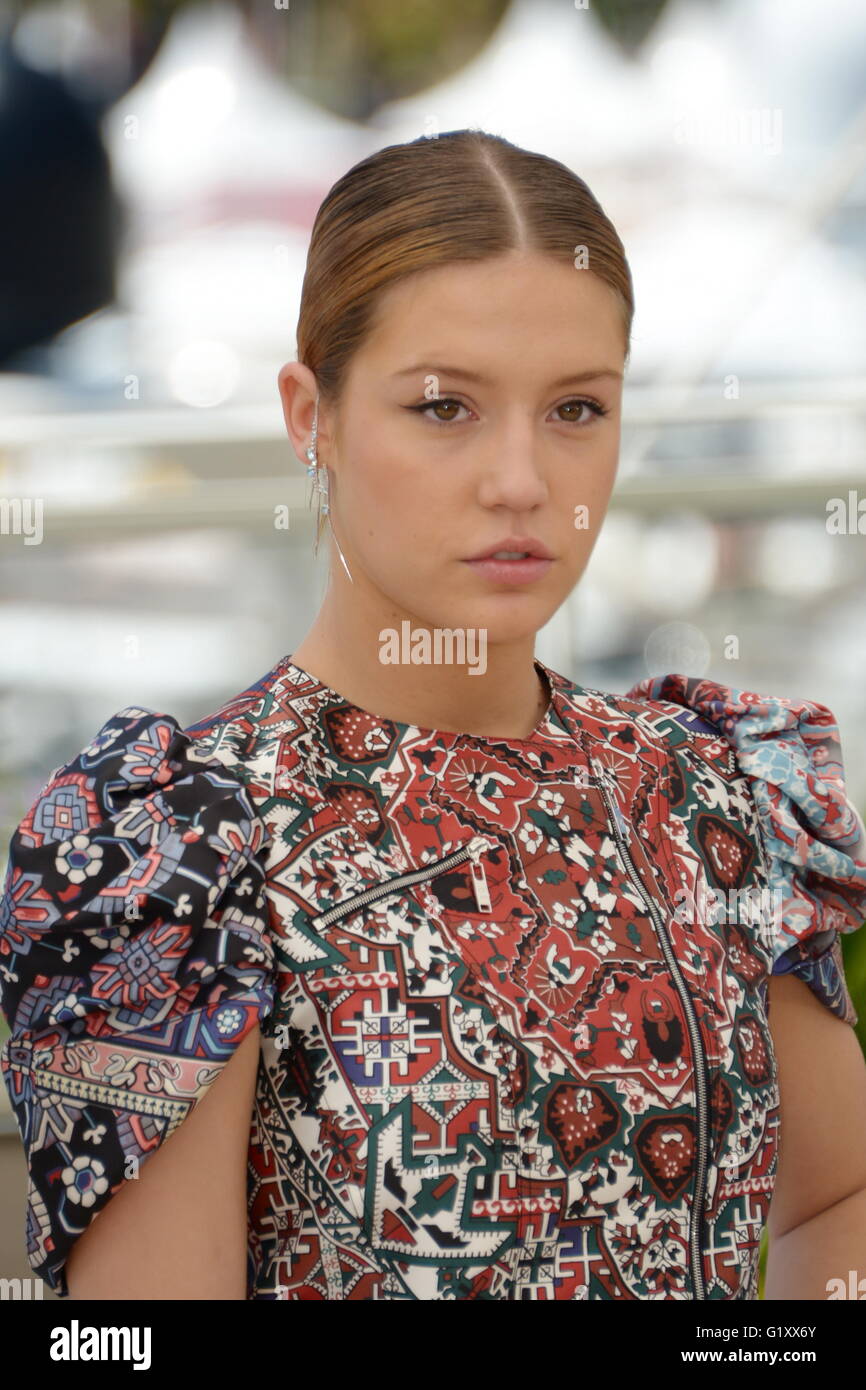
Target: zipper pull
479,878
602,776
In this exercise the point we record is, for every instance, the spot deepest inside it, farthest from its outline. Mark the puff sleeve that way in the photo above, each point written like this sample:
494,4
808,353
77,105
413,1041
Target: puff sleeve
134,958
813,834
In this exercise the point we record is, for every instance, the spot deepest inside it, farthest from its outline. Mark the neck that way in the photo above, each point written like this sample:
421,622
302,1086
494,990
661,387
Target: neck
489,691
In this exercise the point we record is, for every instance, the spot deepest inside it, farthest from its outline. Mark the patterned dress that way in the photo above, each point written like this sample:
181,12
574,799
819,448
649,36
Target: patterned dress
512,992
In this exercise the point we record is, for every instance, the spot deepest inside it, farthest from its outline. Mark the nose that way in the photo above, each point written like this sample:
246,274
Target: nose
511,472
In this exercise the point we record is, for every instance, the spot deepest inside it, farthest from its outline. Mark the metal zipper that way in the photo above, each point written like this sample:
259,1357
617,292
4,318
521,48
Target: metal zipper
614,814
473,850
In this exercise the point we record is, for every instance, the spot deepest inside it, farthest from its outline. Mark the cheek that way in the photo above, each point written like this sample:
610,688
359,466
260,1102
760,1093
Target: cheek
388,507
583,491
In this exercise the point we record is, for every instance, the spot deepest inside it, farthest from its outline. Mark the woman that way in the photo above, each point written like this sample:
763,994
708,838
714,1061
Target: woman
442,976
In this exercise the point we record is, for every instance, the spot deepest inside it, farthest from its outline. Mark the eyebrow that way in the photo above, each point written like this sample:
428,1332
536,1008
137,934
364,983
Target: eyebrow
591,374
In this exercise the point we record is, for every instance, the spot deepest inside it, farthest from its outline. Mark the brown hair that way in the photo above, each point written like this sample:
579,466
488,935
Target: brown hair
462,195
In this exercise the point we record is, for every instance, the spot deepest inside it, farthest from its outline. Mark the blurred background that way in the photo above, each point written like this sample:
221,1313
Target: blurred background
161,164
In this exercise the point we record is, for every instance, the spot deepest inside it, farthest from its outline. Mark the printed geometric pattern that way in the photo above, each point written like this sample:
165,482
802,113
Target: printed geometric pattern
536,1068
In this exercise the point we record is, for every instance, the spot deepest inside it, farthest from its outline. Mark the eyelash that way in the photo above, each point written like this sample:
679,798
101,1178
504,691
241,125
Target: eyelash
426,406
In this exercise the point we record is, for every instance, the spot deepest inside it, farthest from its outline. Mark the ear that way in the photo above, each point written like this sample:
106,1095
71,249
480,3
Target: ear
297,387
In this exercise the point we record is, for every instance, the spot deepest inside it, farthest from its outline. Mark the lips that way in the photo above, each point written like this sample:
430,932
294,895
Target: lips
515,545
510,572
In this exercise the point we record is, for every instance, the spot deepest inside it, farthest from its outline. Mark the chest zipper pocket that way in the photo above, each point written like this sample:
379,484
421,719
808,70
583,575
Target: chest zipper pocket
619,829
473,851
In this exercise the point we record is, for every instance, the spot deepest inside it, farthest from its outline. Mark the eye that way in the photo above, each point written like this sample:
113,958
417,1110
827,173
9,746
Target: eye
426,406
595,406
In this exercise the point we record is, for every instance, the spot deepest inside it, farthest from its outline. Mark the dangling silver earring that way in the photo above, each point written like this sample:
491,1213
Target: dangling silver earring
313,471
322,483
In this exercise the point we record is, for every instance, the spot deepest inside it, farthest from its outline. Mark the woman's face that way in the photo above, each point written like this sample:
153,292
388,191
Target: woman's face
524,350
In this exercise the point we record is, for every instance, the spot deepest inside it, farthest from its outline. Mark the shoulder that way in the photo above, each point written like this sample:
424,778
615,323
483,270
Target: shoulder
791,744
260,734
649,717
143,779
144,824
789,752
651,703
139,758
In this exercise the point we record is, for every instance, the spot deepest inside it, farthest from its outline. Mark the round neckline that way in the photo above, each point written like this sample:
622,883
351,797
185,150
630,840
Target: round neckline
551,714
